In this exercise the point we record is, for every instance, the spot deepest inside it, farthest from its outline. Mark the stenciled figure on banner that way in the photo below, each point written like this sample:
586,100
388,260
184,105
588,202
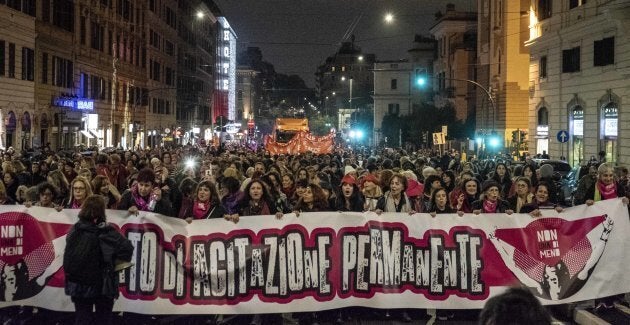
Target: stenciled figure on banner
27,258
554,257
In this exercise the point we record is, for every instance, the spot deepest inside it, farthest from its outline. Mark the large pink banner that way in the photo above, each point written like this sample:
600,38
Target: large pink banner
328,260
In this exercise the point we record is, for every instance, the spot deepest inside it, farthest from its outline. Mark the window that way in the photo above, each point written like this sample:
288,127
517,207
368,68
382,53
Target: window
98,36
84,85
156,71
170,18
571,60
576,3
169,48
544,9
110,39
239,95
46,11
63,14
154,39
393,109
28,64
543,116
542,67
98,88
82,30
45,68
394,84
169,76
604,52
62,72
11,60
2,57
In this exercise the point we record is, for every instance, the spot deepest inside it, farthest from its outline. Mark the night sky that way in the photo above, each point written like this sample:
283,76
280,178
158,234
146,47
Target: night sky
297,35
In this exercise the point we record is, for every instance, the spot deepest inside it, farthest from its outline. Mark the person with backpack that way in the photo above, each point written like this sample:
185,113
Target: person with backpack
93,248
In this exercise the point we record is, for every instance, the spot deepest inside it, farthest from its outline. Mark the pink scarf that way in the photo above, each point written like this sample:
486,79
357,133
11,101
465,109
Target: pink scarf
489,207
141,203
200,209
75,205
607,191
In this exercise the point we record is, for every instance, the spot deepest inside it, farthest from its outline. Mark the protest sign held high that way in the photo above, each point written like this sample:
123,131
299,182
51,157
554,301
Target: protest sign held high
328,260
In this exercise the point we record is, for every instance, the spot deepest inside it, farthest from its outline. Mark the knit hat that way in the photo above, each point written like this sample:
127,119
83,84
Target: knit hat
348,179
370,178
488,184
413,188
349,169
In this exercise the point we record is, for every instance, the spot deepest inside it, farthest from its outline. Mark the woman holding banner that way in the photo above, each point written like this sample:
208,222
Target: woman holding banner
80,189
491,201
604,188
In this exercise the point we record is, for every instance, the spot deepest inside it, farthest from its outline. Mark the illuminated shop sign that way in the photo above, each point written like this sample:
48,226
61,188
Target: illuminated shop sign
578,122
610,121
76,104
542,130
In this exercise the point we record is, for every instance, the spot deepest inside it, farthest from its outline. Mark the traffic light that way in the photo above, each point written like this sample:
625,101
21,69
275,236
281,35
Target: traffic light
421,77
515,136
522,135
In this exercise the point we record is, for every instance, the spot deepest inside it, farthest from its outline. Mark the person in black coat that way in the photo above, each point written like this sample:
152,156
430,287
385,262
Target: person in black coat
205,204
491,201
350,197
93,248
146,196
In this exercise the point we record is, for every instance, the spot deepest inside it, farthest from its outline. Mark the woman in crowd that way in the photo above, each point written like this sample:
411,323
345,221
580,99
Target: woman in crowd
449,180
4,198
372,192
603,188
47,194
204,205
232,195
439,202
350,198
81,189
540,201
311,200
11,184
145,196
491,201
522,194
431,183
302,173
530,172
288,185
274,187
57,179
92,246
395,200
502,177
103,187
256,201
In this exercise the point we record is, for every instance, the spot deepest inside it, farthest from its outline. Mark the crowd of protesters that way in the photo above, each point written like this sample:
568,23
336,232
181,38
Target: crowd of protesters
194,183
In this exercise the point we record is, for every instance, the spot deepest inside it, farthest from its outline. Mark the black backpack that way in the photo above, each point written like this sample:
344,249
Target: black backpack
82,260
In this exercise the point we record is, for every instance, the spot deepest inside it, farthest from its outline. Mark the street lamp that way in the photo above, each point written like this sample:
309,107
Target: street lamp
389,18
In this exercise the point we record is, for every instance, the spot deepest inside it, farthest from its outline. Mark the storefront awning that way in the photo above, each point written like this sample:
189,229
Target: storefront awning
87,134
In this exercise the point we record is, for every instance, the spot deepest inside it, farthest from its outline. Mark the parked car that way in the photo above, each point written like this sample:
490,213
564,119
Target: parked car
560,166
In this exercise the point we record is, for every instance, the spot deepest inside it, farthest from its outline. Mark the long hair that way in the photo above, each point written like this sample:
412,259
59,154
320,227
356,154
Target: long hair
214,197
266,197
86,183
93,209
319,199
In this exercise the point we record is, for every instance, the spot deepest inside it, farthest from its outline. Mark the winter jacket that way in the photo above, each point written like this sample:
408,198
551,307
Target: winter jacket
103,245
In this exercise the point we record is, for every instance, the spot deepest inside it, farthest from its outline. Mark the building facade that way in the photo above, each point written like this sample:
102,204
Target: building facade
502,68
456,35
19,116
345,81
579,72
196,56
393,87
103,72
